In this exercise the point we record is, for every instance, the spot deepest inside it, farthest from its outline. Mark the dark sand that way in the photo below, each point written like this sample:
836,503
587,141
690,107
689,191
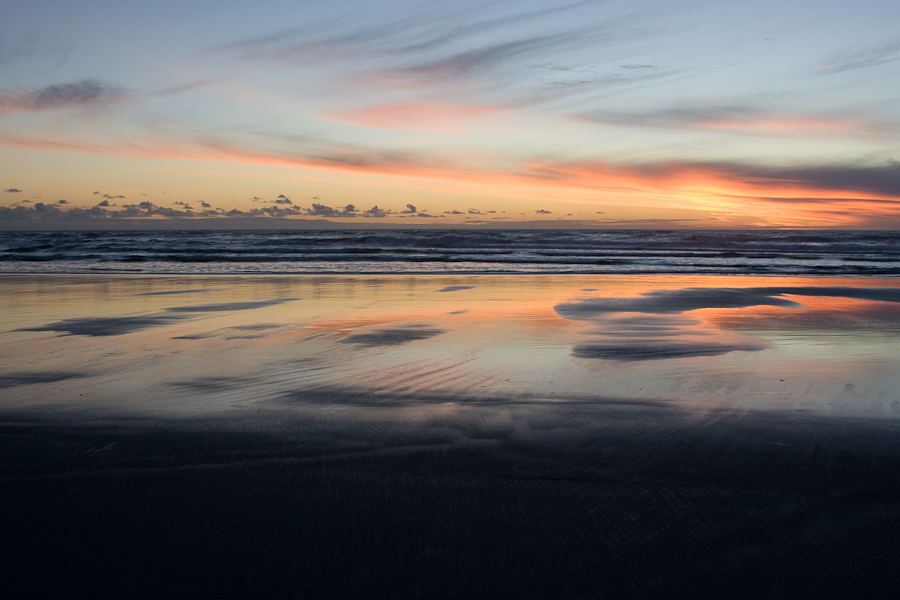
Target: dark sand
439,445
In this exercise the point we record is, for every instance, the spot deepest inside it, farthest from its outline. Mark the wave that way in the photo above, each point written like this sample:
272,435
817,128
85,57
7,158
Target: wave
862,253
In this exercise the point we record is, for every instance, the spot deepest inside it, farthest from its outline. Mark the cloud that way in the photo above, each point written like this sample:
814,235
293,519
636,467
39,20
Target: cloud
145,209
880,179
148,209
282,199
87,92
743,188
456,288
376,213
746,119
434,30
320,210
62,201
419,116
205,204
863,58
268,211
467,64
541,211
184,87
468,59
12,191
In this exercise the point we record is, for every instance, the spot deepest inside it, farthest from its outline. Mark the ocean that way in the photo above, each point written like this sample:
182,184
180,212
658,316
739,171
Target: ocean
413,252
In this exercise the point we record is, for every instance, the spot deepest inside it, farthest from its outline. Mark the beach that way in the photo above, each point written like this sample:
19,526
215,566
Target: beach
447,436
449,300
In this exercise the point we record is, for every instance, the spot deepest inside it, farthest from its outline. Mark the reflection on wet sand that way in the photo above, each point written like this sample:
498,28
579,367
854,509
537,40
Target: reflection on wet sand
670,421
724,343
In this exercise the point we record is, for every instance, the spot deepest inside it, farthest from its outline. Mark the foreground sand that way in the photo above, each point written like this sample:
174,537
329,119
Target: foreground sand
451,437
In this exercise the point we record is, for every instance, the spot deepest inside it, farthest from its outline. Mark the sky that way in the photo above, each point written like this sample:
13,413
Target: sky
706,114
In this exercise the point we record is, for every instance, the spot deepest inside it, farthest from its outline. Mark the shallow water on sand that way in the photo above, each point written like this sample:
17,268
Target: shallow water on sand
203,345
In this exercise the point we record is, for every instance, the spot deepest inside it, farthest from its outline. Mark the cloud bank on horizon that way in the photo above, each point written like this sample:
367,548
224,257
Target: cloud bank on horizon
699,114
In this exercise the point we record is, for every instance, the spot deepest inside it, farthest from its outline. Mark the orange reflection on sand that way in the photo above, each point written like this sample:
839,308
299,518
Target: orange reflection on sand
210,343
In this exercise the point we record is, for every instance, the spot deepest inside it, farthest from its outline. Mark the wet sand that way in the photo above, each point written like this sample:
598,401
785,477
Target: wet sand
451,436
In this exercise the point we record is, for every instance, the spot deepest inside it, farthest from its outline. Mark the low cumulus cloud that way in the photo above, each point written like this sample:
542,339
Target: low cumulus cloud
320,210
13,191
145,209
41,211
87,92
376,213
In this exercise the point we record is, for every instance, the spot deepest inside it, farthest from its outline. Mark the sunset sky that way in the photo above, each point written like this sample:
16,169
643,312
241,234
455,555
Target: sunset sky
599,114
